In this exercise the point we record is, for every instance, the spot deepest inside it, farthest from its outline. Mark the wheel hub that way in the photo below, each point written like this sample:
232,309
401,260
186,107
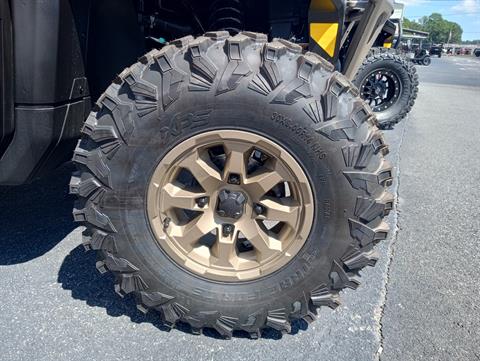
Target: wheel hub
380,88
230,205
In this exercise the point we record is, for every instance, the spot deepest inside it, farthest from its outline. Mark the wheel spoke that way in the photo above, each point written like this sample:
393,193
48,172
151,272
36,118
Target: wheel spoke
205,174
281,210
223,250
175,196
265,245
259,184
189,234
236,161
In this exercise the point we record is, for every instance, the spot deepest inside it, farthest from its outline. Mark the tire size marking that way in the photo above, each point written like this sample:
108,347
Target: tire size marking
300,274
327,209
303,133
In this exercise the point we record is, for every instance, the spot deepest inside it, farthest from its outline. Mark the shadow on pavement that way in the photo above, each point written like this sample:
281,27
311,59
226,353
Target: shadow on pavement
35,217
79,275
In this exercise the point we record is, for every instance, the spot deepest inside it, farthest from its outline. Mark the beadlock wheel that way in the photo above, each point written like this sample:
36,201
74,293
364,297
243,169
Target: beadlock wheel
388,82
381,89
230,205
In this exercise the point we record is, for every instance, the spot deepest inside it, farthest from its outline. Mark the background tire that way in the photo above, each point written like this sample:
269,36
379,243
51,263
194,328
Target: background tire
426,61
213,83
383,59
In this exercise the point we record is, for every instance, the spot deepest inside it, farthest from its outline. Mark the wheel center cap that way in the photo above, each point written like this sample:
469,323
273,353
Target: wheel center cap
231,204
379,89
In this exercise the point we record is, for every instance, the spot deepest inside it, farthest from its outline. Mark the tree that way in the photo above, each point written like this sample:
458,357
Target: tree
412,25
456,32
439,29
472,42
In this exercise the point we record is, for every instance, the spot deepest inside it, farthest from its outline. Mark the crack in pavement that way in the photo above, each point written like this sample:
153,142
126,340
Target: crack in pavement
379,312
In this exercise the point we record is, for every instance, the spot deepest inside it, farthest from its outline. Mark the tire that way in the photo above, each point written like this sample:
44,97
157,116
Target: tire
221,83
381,59
426,61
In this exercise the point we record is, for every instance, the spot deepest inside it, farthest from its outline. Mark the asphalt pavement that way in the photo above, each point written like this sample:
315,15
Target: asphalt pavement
432,309
421,301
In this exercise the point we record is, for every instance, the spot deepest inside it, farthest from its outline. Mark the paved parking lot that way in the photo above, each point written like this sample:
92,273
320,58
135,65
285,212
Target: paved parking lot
421,301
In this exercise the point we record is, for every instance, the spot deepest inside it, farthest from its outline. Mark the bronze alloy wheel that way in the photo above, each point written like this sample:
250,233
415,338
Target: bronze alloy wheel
230,205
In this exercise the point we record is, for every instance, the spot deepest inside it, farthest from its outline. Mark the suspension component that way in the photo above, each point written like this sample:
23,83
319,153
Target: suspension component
227,15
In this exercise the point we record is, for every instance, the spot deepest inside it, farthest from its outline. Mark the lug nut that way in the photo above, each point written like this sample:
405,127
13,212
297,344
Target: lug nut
202,201
166,222
257,155
258,209
227,230
234,178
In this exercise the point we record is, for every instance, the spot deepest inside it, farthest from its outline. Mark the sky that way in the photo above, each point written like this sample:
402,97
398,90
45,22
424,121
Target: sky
464,12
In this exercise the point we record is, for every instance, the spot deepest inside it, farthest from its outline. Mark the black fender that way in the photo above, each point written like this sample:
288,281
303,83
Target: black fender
64,53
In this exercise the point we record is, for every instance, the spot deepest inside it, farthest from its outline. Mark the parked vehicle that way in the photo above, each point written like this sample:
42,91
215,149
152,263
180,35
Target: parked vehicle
421,57
436,50
230,178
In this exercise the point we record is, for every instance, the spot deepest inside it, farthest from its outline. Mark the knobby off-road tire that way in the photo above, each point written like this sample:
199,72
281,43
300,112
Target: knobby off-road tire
218,83
405,74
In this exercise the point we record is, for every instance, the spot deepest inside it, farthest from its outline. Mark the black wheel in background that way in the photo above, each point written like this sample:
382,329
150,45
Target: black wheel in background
388,82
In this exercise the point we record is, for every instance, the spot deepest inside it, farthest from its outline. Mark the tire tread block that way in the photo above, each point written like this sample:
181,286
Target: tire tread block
367,209
365,234
323,296
370,181
203,70
278,320
95,161
358,258
341,279
93,216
